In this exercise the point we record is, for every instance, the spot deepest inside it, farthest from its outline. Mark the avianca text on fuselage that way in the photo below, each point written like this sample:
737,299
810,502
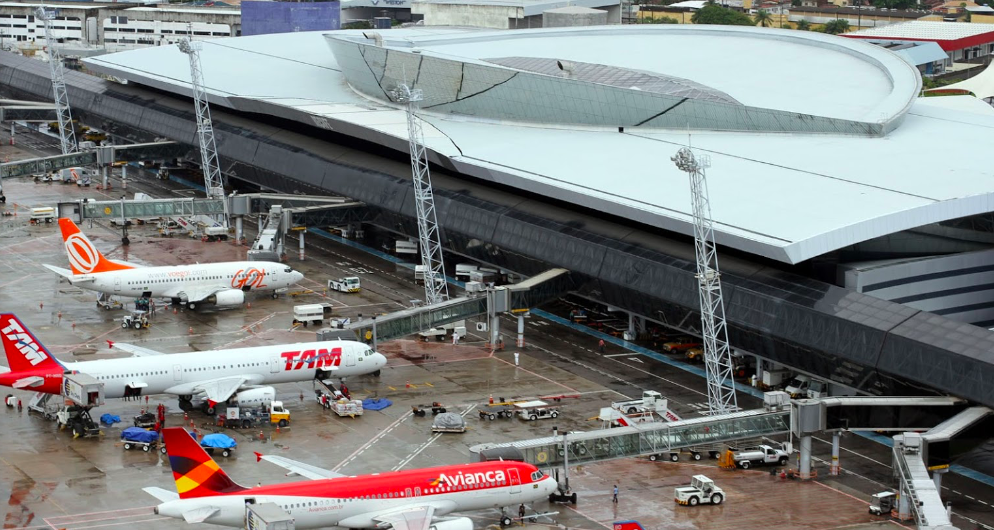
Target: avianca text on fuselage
469,479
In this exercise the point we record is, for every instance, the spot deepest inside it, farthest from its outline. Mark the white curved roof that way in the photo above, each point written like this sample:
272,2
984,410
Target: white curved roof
789,197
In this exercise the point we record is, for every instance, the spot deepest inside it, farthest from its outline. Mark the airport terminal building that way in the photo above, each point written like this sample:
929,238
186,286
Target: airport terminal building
854,225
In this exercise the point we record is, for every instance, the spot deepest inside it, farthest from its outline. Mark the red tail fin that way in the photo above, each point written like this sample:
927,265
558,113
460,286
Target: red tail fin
195,472
84,258
24,352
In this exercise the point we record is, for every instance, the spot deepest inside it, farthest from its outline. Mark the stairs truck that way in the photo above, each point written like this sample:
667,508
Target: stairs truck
349,284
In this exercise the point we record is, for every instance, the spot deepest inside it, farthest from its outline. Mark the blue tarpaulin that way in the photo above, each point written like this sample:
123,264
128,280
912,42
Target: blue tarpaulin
109,419
221,441
137,434
376,403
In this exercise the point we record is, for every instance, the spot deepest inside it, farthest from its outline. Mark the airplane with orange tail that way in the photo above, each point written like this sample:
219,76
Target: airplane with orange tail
220,284
414,499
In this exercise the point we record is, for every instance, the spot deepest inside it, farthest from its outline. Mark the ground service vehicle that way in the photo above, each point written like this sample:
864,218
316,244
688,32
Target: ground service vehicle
445,331
137,319
349,284
695,355
773,379
44,214
314,313
536,410
700,491
493,412
138,437
422,410
798,386
651,401
764,454
681,344
882,503
267,516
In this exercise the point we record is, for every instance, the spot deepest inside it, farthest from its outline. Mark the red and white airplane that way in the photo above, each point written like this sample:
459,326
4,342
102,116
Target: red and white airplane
401,500
216,376
220,284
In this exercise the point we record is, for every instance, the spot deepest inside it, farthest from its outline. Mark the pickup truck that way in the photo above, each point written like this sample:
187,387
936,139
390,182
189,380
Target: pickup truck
764,454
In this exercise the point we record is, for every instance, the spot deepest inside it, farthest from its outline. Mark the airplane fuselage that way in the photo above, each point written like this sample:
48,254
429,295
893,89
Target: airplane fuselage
180,373
169,281
354,502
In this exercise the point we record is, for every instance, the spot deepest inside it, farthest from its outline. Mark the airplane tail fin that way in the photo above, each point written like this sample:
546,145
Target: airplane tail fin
84,258
195,472
24,352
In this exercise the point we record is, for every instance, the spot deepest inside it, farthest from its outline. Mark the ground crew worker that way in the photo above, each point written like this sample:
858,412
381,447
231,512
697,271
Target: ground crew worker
521,513
615,500
600,345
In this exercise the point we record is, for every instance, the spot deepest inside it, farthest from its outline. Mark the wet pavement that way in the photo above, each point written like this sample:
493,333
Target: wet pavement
52,481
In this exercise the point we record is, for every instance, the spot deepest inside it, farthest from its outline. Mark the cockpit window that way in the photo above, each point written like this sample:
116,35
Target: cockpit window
537,476
288,270
368,352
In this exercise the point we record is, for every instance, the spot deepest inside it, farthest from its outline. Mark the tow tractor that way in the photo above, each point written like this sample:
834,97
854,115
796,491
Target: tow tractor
137,319
535,410
422,410
345,285
108,302
700,491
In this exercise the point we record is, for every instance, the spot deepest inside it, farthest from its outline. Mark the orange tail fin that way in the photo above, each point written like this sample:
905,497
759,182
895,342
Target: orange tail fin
195,472
24,352
84,258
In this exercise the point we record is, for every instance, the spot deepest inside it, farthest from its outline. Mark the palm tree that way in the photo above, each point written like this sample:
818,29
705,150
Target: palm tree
839,25
763,18
803,25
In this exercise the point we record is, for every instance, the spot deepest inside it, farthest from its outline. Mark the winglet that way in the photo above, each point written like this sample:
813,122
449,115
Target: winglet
110,344
84,258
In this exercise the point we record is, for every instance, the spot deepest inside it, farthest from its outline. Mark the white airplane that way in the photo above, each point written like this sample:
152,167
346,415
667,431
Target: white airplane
221,284
414,499
239,375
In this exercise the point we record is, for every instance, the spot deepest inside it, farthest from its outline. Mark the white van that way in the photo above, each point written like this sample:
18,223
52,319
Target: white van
463,271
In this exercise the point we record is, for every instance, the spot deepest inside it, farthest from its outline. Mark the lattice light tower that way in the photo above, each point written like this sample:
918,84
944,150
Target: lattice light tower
205,128
717,355
436,289
67,134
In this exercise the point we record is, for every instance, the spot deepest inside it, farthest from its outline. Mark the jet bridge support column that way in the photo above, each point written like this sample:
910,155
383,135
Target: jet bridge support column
239,230
521,331
124,177
805,465
302,232
834,468
105,170
758,378
937,478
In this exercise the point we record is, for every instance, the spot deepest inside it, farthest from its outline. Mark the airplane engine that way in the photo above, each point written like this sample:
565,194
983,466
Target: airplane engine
255,396
459,523
227,297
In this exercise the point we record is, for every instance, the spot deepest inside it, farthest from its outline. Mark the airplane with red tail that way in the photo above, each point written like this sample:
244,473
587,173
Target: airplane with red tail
241,375
414,499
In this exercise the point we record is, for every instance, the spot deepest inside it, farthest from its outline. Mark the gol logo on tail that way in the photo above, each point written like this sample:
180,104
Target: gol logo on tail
82,255
249,278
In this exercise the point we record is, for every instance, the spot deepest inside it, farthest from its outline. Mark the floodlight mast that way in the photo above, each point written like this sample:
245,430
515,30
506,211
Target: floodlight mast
717,355
429,235
205,128
67,133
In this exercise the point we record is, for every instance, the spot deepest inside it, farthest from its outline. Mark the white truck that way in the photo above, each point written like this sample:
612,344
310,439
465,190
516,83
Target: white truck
267,516
764,454
700,491
314,313
43,214
773,379
349,284
651,401
445,331
798,386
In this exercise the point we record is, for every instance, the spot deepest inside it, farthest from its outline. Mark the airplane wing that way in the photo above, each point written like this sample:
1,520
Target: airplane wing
298,468
161,494
28,382
200,514
137,351
220,390
67,274
415,518
194,294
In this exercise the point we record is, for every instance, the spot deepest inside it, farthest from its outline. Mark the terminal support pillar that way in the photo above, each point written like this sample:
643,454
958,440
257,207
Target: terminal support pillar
11,133
631,323
521,330
124,177
834,468
495,337
805,465
758,378
302,232
374,332
239,231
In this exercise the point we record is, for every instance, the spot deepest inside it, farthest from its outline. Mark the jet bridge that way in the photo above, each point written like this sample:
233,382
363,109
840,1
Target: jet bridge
103,155
646,439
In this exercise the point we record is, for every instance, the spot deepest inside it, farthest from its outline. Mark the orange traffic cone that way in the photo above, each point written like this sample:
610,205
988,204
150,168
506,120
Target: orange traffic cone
491,399
191,330
277,427
408,384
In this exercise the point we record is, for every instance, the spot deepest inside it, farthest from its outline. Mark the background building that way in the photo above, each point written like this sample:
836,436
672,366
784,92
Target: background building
261,18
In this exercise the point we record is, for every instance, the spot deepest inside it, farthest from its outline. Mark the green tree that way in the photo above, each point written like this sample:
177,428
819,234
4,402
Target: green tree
665,20
713,13
763,18
803,25
839,25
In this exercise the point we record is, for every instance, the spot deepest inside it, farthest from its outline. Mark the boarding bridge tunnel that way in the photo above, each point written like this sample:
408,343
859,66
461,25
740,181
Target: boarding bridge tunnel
952,428
516,299
646,439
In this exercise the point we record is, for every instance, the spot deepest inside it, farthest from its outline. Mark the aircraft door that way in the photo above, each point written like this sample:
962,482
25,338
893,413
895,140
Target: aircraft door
274,365
515,480
117,285
274,278
177,372
350,358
